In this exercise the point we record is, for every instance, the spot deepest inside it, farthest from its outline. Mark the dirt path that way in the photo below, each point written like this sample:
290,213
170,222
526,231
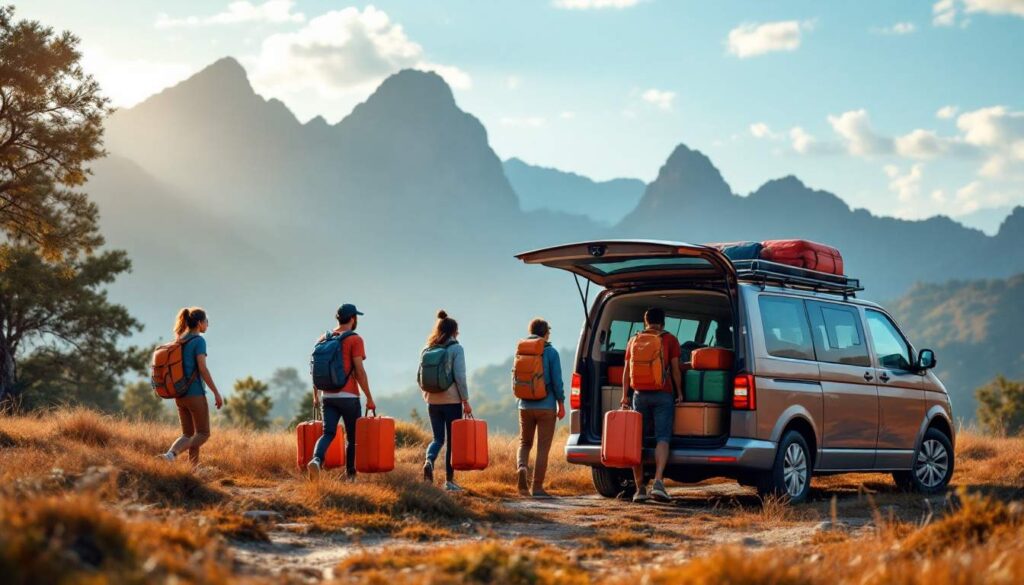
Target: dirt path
601,533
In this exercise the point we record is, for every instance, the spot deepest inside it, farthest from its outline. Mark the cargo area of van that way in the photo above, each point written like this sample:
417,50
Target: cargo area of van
699,318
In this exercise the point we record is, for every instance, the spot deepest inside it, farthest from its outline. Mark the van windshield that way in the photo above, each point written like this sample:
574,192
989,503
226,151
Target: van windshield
619,332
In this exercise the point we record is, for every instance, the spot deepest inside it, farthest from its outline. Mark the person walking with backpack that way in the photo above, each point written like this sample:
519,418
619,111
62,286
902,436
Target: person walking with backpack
442,378
537,366
193,409
338,374
653,373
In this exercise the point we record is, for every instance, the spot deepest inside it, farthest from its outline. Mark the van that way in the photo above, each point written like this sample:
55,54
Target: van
821,382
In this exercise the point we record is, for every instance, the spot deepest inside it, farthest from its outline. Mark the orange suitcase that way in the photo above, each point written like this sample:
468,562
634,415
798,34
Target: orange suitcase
308,434
375,443
615,375
620,441
711,358
469,444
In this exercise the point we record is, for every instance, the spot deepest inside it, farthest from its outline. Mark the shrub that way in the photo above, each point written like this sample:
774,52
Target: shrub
1001,406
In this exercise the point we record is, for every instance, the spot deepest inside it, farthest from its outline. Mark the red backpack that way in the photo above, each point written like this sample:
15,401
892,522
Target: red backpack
167,376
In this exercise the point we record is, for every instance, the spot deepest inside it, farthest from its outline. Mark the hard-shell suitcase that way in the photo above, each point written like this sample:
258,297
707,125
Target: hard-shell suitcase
698,419
308,433
469,444
621,439
804,254
611,396
711,358
615,375
706,386
375,443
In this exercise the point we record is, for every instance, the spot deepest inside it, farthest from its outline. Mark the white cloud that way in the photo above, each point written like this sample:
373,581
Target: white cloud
761,130
129,81
906,186
342,53
239,12
946,112
855,129
752,39
659,98
994,126
524,122
594,4
921,144
900,28
803,142
944,13
1012,7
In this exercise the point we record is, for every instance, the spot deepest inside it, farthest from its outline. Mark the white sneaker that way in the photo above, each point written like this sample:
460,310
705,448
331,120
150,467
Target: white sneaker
451,486
313,467
168,456
641,495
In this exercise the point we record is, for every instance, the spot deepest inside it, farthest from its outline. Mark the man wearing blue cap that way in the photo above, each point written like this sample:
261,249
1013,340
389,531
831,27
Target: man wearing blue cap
343,404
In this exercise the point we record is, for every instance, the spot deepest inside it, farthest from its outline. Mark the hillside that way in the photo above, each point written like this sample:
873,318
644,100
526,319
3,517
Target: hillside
973,326
547,188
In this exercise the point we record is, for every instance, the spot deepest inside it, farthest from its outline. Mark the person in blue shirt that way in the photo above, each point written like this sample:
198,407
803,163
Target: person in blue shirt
538,417
193,410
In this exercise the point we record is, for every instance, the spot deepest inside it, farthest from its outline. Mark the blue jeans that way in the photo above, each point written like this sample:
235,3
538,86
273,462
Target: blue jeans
658,410
441,418
335,410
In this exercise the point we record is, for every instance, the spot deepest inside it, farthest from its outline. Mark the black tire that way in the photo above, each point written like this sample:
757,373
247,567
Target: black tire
933,465
612,483
774,481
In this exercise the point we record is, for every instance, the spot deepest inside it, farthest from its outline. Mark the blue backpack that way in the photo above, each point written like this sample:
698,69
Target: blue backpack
326,365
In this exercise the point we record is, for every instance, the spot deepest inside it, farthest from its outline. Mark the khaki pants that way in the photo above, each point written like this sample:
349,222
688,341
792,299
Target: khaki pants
541,422
194,414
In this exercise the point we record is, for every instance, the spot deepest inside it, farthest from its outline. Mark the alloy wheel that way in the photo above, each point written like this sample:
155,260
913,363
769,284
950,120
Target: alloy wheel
794,470
932,463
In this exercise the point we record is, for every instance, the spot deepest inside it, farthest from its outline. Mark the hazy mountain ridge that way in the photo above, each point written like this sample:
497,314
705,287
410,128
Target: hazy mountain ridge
548,188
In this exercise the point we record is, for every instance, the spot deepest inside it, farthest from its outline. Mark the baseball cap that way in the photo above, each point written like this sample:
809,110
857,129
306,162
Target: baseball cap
347,310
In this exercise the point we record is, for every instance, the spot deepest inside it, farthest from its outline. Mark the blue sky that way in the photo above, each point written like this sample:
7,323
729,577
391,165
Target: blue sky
905,108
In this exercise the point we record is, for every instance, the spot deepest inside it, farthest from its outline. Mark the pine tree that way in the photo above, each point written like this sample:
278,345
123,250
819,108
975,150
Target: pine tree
140,402
303,410
249,405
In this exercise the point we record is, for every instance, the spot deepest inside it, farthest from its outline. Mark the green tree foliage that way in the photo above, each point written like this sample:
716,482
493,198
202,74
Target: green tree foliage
249,405
140,402
286,389
1001,406
51,126
58,317
303,409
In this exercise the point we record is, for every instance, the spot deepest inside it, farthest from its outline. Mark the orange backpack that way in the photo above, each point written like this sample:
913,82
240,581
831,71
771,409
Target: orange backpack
168,370
648,368
528,370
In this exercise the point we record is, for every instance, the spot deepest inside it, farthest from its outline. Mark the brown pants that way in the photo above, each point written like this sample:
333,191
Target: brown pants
541,422
194,414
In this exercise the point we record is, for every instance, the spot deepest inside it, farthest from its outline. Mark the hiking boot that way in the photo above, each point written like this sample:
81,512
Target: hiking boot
640,495
428,472
659,493
540,494
451,486
523,482
313,467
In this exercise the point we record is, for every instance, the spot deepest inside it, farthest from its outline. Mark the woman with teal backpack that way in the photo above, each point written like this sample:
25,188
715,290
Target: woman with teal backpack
442,377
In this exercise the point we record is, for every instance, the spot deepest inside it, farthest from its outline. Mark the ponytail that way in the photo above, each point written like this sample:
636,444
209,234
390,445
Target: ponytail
444,329
188,319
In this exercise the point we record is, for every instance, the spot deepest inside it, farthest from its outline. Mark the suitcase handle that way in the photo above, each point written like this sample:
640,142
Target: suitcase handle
368,410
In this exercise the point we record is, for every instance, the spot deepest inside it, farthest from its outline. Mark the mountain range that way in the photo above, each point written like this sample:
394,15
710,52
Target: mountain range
224,199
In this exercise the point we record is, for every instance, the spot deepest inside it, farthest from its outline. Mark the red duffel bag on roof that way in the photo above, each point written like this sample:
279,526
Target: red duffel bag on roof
804,254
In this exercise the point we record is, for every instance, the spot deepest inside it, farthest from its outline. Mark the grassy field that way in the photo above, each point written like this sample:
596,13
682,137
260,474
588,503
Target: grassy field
83,499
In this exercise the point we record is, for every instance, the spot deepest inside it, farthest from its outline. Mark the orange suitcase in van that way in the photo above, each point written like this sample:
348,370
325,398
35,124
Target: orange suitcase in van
621,439
469,444
375,443
711,358
308,433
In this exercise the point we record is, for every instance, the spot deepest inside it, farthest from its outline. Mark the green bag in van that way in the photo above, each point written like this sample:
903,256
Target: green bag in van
706,386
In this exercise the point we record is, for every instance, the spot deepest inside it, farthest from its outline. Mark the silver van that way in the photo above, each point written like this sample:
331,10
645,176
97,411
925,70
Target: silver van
821,383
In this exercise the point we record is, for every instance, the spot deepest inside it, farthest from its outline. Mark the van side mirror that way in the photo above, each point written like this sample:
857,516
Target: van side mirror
925,360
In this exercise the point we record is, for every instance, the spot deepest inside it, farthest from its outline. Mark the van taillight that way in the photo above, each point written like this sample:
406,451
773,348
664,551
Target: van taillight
574,391
744,392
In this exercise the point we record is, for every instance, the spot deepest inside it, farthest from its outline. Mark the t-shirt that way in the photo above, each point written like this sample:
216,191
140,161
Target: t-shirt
189,361
351,347
669,349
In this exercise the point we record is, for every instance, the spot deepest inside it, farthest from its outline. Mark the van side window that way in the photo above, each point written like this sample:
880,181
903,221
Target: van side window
786,332
838,334
619,333
684,329
890,347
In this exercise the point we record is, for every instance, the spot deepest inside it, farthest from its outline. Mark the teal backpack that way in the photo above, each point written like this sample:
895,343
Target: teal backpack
435,373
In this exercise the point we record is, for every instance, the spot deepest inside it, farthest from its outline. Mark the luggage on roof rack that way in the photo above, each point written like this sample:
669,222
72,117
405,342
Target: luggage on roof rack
766,272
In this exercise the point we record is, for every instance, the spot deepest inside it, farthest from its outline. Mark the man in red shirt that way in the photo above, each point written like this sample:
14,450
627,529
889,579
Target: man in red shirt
343,405
656,405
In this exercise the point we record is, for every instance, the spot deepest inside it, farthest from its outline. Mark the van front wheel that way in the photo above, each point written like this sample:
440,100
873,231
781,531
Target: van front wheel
611,483
790,475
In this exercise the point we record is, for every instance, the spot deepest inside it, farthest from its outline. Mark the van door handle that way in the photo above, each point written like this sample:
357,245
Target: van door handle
867,376
884,377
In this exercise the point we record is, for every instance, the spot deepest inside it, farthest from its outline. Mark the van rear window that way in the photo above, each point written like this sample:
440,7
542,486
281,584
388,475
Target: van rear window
786,331
647,264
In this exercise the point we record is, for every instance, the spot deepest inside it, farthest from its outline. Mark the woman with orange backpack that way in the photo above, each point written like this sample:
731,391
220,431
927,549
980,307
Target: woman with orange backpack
442,378
193,410
537,385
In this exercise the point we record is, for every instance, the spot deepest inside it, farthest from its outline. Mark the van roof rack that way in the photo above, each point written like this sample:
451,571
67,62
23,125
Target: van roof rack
766,272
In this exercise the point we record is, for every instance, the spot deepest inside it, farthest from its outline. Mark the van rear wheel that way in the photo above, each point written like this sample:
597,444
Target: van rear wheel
790,475
611,483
